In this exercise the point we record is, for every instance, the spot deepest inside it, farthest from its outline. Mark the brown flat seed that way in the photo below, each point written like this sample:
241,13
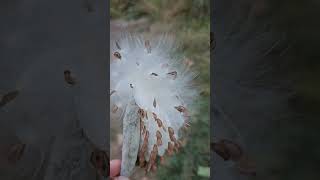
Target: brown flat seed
159,134
117,55
153,157
118,46
154,103
142,161
173,74
159,122
155,148
154,116
171,131
180,108
141,113
170,148
113,91
144,130
172,138
154,74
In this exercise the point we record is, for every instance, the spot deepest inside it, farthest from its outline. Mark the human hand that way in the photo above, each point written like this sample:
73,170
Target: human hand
115,166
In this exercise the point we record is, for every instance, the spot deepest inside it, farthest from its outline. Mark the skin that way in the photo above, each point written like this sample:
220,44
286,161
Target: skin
115,170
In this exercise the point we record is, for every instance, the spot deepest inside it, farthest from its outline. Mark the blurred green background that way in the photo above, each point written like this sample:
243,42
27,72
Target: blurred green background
189,22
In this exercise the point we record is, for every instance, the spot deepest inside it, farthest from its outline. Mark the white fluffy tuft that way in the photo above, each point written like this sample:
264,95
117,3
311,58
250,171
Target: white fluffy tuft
147,73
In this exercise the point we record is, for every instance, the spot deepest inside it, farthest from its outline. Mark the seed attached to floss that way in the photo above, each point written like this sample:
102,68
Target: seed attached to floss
154,103
117,55
153,157
171,131
141,113
113,91
144,68
170,149
159,136
180,108
154,116
118,46
143,150
159,122
173,74
144,130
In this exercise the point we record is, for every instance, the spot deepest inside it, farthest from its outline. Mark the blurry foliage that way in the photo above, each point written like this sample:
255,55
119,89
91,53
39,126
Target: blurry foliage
190,19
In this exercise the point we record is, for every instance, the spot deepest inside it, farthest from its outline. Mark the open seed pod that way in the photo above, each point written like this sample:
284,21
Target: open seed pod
154,90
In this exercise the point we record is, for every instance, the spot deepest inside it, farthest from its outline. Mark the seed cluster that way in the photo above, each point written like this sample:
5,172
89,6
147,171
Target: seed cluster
138,73
173,145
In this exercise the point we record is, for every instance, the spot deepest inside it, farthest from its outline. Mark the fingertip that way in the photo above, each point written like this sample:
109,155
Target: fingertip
115,166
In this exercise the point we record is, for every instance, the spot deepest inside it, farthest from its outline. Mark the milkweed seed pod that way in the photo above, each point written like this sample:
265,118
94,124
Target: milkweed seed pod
154,90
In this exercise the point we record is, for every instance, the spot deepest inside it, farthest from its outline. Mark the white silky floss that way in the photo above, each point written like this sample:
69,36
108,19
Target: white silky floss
153,88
